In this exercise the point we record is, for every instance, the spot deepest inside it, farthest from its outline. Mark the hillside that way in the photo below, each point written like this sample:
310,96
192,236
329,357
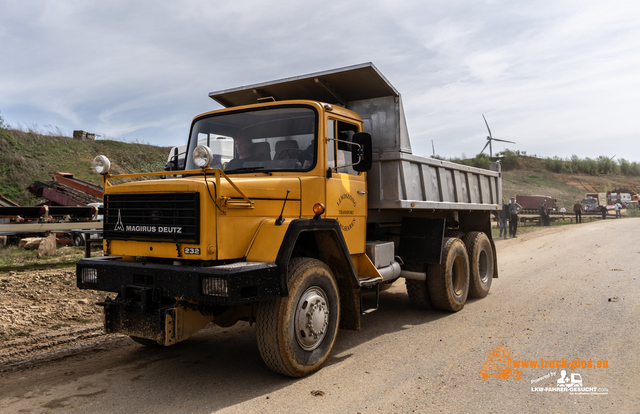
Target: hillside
26,157
531,177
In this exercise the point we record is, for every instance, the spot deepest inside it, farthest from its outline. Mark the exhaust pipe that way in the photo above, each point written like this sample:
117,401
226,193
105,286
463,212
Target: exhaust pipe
413,275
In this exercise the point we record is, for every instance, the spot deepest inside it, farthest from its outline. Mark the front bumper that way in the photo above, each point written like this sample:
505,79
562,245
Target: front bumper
244,282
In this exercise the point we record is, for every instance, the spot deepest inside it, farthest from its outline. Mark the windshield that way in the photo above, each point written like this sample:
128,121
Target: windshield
263,139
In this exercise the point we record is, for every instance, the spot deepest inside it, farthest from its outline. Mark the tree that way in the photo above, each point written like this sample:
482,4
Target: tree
589,166
509,159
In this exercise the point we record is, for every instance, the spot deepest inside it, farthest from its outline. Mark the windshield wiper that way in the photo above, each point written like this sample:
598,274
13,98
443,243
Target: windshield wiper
248,169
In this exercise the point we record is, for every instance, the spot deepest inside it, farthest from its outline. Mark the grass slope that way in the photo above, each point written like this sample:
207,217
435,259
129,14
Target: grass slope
531,177
26,157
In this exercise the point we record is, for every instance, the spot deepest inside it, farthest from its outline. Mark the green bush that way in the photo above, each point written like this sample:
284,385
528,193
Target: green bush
633,210
509,159
589,166
607,166
629,168
479,161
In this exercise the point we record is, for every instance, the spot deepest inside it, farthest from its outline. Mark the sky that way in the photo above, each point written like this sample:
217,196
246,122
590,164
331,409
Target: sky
558,77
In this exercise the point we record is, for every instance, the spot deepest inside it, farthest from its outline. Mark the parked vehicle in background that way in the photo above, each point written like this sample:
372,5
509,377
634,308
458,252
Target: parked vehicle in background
222,146
616,197
79,237
590,204
601,197
533,202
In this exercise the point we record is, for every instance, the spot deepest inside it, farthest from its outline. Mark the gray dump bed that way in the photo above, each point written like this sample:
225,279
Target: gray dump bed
405,181
398,180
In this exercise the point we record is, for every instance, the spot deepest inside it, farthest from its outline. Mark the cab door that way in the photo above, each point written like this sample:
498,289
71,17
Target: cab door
346,189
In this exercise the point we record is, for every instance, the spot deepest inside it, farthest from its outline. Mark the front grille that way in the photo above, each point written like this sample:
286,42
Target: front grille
159,217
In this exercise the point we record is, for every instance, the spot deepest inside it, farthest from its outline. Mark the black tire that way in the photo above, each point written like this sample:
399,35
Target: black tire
146,342
480,263
78,240
449,281
287,344
418,290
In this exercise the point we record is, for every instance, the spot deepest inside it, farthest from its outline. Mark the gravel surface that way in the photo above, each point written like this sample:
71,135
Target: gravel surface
569,292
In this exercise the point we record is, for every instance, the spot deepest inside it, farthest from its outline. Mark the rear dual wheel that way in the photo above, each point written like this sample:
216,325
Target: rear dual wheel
418,290
296,333
481,263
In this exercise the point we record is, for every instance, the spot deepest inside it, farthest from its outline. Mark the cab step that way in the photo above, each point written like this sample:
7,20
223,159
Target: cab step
370,283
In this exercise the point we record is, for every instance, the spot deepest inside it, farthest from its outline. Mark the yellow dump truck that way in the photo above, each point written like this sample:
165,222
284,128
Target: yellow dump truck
322,201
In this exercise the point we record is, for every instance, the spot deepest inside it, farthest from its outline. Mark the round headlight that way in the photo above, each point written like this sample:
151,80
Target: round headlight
202,156
318,209
101,164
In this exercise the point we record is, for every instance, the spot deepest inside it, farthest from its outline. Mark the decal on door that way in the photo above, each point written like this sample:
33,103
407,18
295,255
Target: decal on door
346,206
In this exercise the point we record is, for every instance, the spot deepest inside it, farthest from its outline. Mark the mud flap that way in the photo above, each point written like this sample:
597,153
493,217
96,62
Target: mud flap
421,239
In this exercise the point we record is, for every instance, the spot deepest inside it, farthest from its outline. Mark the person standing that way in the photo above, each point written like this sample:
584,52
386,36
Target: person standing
543,216
514,208
547,216
577,208
603,210
617,207
503,217
563,210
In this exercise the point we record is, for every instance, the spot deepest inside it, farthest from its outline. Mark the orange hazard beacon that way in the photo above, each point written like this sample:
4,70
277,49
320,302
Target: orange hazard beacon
287,204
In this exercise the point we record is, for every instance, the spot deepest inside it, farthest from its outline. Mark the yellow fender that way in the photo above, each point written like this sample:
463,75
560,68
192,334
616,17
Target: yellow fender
266,241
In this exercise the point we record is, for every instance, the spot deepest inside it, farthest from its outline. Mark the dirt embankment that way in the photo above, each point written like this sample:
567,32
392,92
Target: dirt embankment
600,183
533,179
41,309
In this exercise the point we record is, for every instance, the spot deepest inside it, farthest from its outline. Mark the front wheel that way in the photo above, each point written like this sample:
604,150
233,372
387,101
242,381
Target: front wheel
295,334
449,281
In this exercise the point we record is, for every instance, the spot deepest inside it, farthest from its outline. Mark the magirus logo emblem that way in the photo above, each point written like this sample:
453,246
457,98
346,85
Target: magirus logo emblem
119,226
145,229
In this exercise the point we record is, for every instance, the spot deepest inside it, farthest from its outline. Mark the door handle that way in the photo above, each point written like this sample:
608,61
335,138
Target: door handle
362,192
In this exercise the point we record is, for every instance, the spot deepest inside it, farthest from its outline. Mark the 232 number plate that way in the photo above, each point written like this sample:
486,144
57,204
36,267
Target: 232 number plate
191,250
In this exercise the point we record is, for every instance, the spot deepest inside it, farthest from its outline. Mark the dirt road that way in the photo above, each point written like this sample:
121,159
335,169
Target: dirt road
570,293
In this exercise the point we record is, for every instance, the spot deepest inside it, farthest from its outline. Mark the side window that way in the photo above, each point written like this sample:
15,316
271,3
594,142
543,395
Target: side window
339,134
345,134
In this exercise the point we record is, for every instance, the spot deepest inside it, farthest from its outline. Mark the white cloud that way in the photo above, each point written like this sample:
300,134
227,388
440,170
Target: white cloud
558,77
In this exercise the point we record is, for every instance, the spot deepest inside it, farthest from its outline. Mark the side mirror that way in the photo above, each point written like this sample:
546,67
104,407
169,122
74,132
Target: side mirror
361,156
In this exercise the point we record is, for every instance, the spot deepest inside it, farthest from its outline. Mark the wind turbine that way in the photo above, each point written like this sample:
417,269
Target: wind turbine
490,138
